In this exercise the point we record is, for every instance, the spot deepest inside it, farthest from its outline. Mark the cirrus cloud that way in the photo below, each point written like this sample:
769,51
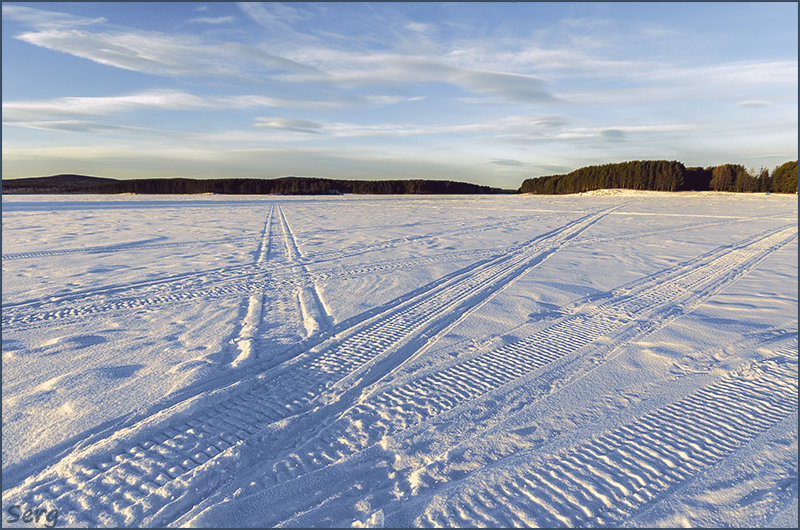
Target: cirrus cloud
289,124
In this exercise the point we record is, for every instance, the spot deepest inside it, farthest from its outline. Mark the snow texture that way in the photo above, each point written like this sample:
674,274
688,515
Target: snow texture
605,359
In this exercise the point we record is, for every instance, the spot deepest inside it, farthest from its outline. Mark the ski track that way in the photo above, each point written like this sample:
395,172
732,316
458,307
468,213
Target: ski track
147,475
315,316
248,331
249,279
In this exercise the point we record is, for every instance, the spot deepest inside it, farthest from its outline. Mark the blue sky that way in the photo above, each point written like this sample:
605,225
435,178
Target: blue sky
490,93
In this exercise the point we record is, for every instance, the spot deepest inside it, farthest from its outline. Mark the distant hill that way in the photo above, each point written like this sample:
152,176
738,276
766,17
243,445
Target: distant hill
56,184
663,175
277,186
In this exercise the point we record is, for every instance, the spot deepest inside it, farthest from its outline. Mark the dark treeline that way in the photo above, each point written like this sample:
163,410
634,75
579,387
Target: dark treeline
658,175
663,175
278,186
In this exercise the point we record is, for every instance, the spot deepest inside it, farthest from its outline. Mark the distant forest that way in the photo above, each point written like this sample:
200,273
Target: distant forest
663,175
278,186
658,175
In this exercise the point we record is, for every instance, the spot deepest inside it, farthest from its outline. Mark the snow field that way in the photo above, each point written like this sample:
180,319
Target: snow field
605,359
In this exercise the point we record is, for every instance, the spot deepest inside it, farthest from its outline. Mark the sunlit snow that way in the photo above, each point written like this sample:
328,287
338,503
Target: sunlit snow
606,359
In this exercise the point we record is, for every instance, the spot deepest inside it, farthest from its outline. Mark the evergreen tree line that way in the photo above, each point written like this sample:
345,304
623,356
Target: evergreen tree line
663,175
659,175
298,186
278,186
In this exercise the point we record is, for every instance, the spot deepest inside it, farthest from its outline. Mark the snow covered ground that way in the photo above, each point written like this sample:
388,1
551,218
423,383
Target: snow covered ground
608,359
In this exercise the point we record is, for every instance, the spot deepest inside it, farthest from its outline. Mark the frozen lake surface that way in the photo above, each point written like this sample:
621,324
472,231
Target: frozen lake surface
608,359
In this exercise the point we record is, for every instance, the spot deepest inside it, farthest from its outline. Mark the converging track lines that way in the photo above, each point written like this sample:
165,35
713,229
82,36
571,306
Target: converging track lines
122,482
291,401
630,312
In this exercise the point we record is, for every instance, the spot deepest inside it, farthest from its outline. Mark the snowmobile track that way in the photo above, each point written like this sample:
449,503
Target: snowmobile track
604,481
204,284
630,312
244,280
145,474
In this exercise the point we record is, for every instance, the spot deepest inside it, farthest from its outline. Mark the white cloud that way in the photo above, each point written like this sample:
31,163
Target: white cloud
43,19
506,162
251,101
162,54
51,113
753,103
620,132
765,72
419,27
211,20
73,126
513,124
289,124
391,100
70,113
514,87
525,57
344,69
22,111
273,15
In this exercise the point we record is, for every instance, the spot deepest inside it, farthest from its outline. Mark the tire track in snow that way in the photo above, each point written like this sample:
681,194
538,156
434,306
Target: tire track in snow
451,464
630,312
604,481
645,233
363,248
212,284
234,282
245,279
153,474
243,284
114,249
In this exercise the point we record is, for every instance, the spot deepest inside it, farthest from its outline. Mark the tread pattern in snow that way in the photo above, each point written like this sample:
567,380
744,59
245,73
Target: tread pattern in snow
123,485
608,479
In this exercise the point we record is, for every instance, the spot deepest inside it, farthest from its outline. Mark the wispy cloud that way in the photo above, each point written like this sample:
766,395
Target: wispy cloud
211,20
71,113
420,27
37,112
753,103
159,53
619,132
331,81
510,125
758,72
273,15
44,19
386,99
74,126
181,55
289,124
514,87
346,69
506,162
22,111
